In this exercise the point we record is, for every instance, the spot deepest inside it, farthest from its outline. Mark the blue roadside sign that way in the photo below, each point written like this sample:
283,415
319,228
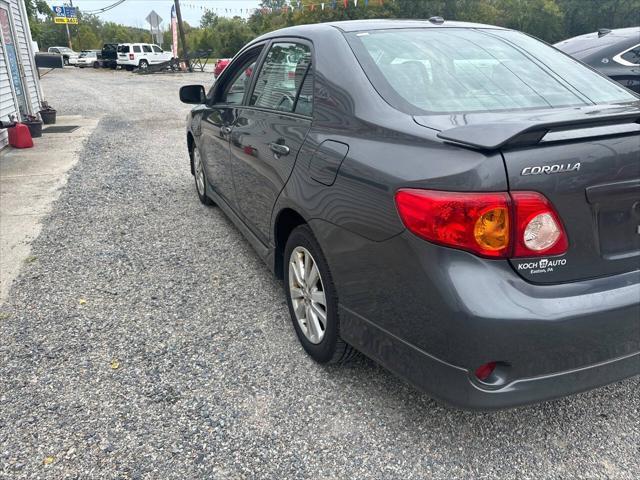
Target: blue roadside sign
64,14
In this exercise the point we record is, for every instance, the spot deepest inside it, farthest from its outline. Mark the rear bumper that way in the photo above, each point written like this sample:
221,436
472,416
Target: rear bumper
457,385
433,315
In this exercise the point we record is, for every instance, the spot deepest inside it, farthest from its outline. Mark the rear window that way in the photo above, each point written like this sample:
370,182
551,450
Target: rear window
123,48
466,70
632,56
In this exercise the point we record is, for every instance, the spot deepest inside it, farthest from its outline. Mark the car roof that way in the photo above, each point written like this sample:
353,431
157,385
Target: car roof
383,24
594,42
368,25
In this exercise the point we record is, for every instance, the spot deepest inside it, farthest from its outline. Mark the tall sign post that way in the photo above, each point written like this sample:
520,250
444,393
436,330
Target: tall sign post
154,21
66,15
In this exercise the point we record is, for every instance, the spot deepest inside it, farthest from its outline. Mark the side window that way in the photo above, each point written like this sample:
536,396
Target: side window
632,56
239,82
136,49
146,48
304,102
282,75
157,49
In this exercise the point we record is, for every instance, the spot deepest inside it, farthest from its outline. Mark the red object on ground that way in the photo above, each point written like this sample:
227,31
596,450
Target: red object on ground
20,137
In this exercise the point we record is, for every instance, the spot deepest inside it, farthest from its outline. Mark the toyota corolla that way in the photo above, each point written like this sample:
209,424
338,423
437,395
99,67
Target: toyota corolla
459,202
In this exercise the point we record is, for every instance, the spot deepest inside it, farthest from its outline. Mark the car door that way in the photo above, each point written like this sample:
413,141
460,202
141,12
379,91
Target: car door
159,55
270,129
218,116
147,54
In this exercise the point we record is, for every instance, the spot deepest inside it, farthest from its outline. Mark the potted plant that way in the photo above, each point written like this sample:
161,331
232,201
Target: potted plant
47,113
35,125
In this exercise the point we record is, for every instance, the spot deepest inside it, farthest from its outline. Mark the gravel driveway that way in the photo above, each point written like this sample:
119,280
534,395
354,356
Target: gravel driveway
147,340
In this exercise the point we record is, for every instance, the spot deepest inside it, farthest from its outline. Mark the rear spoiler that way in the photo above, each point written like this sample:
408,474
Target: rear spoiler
491,136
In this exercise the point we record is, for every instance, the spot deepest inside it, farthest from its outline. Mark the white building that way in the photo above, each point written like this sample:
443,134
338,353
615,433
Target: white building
19,84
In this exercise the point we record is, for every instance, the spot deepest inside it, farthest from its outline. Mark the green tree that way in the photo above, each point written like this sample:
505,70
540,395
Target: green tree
542,18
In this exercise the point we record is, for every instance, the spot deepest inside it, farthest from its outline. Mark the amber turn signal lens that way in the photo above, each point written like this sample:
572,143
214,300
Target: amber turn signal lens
491,230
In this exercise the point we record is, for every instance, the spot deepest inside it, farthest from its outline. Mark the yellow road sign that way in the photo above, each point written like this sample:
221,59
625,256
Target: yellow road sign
72,20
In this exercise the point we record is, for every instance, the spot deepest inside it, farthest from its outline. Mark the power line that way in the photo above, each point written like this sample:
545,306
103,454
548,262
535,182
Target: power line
104,9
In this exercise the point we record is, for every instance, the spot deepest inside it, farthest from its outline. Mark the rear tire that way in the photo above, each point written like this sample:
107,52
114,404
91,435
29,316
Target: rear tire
200,177
305,297
66,62
143,65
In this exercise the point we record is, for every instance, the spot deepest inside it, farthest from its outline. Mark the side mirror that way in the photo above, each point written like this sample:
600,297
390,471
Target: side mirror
192,94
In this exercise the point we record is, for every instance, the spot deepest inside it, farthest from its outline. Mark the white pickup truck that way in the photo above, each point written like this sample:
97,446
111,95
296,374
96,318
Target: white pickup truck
69,57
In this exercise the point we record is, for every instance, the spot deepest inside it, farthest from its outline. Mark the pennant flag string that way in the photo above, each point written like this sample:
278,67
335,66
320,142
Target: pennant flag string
286,8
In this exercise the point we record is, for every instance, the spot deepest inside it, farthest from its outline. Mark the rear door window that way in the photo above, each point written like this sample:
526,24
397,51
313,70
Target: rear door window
146,48
281,77
304,101
632,56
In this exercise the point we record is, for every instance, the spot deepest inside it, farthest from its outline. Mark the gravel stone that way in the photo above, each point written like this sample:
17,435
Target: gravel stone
211,381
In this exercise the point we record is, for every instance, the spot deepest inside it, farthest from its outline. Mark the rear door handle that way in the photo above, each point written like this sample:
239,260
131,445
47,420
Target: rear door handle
279,149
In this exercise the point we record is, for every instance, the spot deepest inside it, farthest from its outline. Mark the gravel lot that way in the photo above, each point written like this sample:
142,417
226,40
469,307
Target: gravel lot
147,340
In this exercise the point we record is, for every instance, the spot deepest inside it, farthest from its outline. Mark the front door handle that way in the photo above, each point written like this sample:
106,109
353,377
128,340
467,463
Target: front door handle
279,149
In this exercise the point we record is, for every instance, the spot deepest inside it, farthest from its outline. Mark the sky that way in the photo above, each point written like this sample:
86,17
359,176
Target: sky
134,12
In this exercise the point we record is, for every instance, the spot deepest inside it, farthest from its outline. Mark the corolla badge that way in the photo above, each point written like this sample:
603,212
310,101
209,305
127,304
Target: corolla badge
549,169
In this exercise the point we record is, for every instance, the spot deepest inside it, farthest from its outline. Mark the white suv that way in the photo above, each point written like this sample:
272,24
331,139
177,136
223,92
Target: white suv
141,55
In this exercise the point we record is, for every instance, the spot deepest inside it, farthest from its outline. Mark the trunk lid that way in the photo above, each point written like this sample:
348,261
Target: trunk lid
587,163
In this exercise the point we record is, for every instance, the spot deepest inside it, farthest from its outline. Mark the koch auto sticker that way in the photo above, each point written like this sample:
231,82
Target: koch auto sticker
544,265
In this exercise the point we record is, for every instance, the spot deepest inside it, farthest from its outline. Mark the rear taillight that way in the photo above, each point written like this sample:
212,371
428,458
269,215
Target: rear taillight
477,222
494,225
539,230
131,57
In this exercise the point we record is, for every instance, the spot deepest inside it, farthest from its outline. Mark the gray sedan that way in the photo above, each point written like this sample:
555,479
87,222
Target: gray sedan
459,202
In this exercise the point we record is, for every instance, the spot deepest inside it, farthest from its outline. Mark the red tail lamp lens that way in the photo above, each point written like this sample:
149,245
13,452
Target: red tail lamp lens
538,226
494,225
131,57
477,222
484,372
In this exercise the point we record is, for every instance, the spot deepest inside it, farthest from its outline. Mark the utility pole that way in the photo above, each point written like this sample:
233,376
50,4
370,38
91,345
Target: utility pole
67,27
185,52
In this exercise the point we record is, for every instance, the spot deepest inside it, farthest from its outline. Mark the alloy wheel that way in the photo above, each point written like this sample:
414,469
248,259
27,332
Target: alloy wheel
198,170
307,295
